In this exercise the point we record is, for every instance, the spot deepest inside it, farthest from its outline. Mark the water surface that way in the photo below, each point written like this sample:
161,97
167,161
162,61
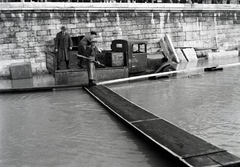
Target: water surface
206,105
67,129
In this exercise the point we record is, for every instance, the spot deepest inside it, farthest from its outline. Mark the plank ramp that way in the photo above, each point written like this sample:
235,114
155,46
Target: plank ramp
171,48
180,55
168,49
188,149
190,54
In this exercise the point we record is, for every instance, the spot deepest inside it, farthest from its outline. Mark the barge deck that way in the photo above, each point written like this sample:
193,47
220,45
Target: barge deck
185,148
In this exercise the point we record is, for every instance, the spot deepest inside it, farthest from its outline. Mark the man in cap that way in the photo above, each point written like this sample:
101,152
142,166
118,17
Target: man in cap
85,41
91,51
63,45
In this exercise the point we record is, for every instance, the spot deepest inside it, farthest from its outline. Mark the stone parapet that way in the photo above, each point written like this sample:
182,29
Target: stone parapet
115,6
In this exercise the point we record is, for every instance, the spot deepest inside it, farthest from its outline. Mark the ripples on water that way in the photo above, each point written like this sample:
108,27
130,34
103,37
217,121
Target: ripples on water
68,129
206,105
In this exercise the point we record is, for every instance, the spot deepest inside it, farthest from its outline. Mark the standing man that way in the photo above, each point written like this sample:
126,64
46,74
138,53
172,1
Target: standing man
91,51
63,45
85,41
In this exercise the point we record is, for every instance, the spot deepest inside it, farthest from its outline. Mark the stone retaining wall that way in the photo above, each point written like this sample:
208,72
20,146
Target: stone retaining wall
27,29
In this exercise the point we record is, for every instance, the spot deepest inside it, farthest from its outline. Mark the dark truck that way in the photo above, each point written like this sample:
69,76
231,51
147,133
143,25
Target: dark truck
134,53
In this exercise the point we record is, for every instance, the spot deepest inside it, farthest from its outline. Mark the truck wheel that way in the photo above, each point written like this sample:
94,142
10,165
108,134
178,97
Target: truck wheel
168,69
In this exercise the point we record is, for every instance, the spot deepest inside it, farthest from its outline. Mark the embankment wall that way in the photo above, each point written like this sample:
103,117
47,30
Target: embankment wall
27,30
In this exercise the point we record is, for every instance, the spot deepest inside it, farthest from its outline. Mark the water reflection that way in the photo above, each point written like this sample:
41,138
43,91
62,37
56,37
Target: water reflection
67,128
206,105
207,63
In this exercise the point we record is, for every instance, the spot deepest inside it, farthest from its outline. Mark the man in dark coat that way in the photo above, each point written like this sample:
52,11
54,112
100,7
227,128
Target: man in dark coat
85,41
63,45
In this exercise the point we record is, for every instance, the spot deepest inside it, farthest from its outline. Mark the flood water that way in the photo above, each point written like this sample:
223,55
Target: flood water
206,105
68,128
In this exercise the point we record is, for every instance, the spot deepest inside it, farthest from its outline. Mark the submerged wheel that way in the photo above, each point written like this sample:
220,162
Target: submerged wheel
168,69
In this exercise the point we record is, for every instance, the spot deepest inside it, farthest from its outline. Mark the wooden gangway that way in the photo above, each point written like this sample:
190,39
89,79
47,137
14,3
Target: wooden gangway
185,148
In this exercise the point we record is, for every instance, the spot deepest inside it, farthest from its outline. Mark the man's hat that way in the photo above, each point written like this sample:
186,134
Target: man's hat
93,33
63,28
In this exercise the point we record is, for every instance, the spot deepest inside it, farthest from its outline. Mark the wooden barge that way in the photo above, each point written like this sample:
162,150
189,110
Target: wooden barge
185,148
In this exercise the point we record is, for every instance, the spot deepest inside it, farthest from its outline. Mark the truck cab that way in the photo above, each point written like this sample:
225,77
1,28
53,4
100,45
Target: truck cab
135,53
136,59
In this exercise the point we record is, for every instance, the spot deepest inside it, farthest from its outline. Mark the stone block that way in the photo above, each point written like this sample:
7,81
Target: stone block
181,34
206,2
3,47
41,33
36,28
70,26
136,32
189,36
48,27
8,24
3,35
32,44
20,70
21,34
18,51
12,46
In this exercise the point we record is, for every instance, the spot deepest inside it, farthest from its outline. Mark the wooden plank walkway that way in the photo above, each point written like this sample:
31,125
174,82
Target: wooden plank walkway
188,149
